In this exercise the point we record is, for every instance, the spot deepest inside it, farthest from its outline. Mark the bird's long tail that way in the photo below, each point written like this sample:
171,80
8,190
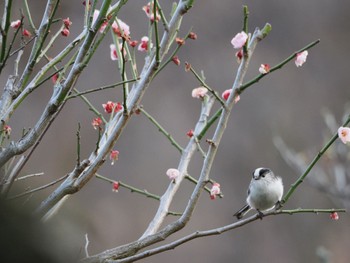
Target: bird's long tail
241,212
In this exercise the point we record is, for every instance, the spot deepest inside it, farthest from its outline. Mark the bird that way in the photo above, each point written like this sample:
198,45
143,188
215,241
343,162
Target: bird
265,191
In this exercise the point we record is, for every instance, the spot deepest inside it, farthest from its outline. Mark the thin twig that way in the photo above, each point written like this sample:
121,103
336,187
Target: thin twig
50,44
245,28
98,140
29,15
199,147
155,23
23,45
161,13
139,191
78,144
131,188
207,189
170,58
136,190
91,107
162,130
86,245
125,89
210,122
28,176
200,79
39,188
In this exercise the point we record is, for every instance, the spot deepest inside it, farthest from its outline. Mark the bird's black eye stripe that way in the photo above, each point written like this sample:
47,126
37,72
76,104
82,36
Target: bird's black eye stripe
263,172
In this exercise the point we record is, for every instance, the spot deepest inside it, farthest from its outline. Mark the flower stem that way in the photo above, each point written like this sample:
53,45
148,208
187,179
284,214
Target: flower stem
162,130
155,4
245,27
78,94
278,66
207,87
311,210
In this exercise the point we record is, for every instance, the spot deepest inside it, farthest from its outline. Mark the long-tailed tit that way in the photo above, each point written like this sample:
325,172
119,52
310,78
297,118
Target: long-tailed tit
264,192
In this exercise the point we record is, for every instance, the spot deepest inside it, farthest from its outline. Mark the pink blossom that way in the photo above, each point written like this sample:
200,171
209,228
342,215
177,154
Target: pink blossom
118,107
190,133
215,190
115,186
237,98
54,78
344,134
114,53
133,43
15,24
149,12
334,216
180,41
172,173
26,33
67,23
7,130
199,93
113,156
239,55
125,29
110,106
264,68
226,94
65,32
192,36
96,123
144,44
301,58
187,66
176,60
239,40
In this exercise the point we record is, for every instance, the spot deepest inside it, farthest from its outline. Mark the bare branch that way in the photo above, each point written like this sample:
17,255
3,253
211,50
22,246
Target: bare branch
86,245
118,123
38,189
218,231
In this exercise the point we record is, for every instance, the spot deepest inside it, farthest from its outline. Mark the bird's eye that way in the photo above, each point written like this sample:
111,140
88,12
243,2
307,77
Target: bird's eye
263,172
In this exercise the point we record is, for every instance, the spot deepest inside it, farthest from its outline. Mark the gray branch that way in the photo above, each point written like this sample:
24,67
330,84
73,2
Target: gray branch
150,236
115,127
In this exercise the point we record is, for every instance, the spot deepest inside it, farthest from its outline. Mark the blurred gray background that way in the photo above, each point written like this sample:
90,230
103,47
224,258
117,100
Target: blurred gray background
287,103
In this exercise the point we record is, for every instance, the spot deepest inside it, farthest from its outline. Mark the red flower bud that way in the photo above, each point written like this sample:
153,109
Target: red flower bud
115,186
176,60
192,36
26,33
65,32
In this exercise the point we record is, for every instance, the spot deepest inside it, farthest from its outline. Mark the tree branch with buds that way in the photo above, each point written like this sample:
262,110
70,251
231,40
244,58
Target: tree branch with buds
160,45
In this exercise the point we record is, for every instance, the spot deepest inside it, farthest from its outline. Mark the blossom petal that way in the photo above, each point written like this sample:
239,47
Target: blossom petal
239,40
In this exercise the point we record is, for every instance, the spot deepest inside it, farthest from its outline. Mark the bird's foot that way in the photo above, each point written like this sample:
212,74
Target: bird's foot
260,214
278,205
